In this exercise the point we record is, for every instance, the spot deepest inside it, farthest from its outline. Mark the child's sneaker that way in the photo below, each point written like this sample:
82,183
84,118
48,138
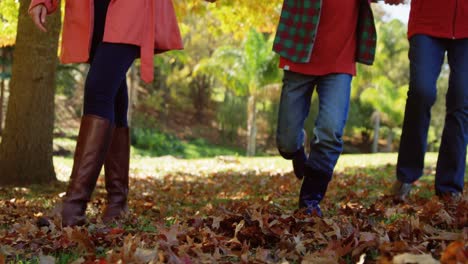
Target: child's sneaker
299,163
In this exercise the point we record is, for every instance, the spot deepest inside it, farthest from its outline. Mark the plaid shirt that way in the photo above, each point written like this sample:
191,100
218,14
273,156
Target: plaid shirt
298,26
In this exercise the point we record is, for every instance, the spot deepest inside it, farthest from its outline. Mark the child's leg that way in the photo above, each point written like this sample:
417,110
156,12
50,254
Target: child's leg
327,144
293,110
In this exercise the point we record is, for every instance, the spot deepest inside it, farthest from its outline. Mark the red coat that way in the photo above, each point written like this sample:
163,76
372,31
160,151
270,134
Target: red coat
439,18
150,24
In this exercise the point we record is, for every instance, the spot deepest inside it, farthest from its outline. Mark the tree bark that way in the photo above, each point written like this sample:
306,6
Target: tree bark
132,80
251,125
376,120
200,94
26,147
2,88
389,141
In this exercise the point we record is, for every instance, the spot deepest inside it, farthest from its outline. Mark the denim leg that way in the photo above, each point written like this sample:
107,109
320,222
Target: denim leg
426,56
452,153
326,146
293,110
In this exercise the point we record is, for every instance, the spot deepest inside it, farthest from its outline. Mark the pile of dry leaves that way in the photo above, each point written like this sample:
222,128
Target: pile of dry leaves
243,216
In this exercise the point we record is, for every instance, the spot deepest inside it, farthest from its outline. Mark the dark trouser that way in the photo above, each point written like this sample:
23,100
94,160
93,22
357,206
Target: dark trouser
426,58
106,88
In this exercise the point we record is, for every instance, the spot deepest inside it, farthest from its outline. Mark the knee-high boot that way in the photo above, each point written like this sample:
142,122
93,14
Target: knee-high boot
91,149
116,167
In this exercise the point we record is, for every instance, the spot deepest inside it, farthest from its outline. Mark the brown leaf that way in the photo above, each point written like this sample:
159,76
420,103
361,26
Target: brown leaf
46,259
456,252
82,238
320,258
450,236
145,255
407,258
79,261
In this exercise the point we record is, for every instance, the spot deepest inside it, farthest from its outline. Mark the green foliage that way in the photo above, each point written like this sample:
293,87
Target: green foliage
200,148
151,142
387,99
9,21
156,142
231,115
66,79
246,69
359,122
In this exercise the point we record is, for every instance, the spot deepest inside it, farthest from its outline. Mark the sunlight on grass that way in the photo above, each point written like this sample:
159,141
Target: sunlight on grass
143,166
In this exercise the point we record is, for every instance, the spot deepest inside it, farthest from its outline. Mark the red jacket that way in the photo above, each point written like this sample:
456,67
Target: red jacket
439,18
150,24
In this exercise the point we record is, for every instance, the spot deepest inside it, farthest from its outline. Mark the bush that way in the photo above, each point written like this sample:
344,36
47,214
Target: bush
156,142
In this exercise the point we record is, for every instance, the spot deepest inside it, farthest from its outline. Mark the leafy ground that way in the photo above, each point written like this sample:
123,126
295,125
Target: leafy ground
229,209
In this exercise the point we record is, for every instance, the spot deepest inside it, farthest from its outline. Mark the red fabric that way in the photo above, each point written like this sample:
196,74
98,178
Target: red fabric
439,18
150,24
335,47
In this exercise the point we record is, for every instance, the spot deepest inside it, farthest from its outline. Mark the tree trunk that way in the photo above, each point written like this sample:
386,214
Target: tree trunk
251,125
26,147
375,143
2,88
132,92
200,94
389,141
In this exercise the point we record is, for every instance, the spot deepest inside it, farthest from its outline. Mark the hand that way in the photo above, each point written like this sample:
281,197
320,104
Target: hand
394,2
38,15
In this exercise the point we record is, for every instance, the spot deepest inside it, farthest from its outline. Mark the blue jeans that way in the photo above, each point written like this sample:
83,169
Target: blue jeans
426,58
334,95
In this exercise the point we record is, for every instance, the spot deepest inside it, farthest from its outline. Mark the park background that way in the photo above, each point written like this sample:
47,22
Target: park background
203,138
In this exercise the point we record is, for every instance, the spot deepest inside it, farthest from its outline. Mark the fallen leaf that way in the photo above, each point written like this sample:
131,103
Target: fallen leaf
407,258
456,252
46,259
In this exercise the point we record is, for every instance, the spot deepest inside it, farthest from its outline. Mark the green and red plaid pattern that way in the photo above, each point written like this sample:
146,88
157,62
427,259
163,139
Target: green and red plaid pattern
366,35
297,28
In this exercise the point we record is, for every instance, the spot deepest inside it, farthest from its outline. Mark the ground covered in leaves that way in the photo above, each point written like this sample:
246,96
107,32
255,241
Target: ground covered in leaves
238,210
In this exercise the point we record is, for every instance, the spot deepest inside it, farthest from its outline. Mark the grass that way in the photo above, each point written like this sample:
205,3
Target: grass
192,149
162,166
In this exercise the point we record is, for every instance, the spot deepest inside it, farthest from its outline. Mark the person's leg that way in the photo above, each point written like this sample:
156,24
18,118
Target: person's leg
121,105
117,162
105,78
451,163
293,110
426,56
327,144
107,71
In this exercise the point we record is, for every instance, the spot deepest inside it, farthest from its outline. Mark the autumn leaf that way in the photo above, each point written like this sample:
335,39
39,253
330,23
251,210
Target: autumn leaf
456,252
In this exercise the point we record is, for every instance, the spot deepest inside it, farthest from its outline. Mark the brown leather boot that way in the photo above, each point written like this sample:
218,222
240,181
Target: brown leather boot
91,149
116,167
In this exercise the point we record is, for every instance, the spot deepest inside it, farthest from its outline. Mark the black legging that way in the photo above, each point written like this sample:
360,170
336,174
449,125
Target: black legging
106,87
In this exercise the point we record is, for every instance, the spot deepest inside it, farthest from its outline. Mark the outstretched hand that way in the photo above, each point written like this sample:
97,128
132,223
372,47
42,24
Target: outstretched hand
394,2
38,15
